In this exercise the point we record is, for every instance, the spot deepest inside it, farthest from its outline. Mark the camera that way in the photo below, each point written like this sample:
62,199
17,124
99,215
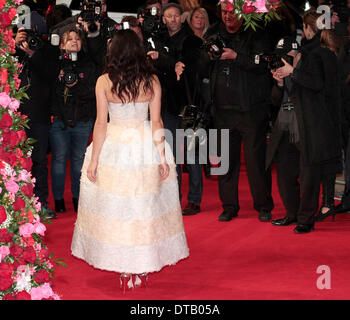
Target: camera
274,61
151,22
111,31
34,41
215,47
192,117
90,13
68,66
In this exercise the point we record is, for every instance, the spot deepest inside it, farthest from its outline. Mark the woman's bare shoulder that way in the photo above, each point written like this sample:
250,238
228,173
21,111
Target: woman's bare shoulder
103,80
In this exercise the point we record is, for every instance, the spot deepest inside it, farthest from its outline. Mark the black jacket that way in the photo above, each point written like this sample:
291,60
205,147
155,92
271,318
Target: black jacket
316,96
170,52
39,73
241,84
80,104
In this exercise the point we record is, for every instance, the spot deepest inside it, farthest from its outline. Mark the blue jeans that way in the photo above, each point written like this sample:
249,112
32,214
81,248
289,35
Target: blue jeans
172,122
69,143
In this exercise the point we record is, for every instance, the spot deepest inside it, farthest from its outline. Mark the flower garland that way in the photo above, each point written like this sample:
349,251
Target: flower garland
25,261
253,11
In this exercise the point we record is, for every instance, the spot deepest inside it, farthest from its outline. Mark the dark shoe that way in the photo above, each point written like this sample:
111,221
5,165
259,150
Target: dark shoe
49,213
59,206
191,209
321,216
340,208
265,216
283,222
227,216
75,204
304,228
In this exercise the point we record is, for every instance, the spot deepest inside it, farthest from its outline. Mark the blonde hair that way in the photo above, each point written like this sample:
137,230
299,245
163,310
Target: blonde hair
206,18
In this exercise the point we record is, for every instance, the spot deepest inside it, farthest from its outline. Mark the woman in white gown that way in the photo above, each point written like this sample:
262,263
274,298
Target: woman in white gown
129,215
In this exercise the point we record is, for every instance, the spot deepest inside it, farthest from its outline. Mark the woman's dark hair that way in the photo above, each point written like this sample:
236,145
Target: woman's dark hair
128,66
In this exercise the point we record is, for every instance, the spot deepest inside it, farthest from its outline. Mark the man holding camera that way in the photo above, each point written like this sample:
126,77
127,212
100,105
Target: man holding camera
38,76
240,92
168,53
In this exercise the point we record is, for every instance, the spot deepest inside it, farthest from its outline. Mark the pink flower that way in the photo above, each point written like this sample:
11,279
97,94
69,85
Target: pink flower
4,251
42,292
260,5
11,186
26,230
5,100
24,175
14,105
39,228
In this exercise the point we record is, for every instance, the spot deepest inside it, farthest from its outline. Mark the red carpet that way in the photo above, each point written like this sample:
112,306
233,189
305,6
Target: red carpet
241,259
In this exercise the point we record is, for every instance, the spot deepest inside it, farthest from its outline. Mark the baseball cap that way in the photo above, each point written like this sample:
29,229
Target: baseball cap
285,45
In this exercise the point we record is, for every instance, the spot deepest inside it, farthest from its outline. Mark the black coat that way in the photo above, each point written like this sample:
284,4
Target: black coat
250,80
39,73
170,52
80,104
316,96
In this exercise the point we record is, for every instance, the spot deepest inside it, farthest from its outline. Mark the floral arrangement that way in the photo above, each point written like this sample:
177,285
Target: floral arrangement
253,11
25,261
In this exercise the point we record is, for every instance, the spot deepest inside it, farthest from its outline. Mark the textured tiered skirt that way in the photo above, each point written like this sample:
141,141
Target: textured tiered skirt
129,220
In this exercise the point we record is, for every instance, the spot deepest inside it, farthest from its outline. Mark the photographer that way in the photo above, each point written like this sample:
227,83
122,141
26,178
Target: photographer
152,27
240,88
73,114
168,52
39,60
93,20
193,70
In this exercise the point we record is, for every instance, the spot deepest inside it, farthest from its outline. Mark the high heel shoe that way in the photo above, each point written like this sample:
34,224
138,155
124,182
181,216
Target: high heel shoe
141,280
126,281
321,216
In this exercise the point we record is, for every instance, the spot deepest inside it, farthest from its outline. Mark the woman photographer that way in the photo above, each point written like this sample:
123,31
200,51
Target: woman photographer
316,152
73,114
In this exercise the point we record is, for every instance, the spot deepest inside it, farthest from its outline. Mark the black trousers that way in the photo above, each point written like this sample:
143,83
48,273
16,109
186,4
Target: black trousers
40,132
298,184
251,128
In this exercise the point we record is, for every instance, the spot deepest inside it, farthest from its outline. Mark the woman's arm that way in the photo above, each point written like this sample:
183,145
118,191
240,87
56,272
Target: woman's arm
157,126
100,127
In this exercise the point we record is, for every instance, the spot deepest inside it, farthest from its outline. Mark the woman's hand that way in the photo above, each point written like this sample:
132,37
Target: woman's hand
179,69
91,171
284,71
278,78
164,170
